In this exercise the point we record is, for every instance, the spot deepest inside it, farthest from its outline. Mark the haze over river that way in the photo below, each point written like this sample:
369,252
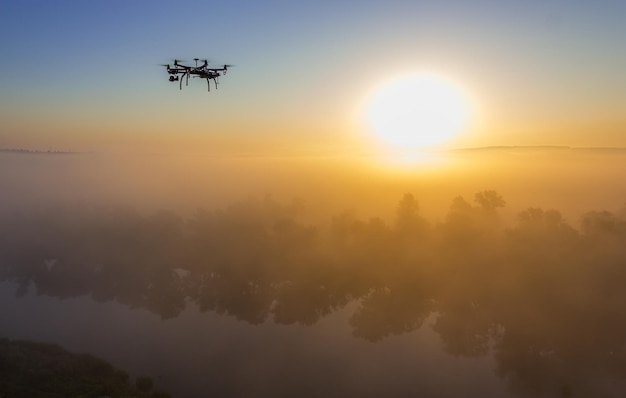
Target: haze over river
267,296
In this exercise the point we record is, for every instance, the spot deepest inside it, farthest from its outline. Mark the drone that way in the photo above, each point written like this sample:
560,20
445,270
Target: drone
179,72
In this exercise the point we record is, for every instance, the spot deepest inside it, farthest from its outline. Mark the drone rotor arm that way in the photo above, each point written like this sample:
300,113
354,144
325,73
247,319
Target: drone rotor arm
179,72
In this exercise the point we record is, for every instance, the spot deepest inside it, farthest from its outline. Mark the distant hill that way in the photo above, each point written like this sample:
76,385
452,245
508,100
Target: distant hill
36,151
535,148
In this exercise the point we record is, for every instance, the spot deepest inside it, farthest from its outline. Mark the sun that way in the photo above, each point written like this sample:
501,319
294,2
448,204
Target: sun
416,111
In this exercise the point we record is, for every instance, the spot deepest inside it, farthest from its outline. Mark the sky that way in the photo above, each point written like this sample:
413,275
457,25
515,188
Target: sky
86,75
290,120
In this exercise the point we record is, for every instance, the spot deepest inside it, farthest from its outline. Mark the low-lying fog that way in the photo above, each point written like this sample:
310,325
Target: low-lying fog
572,181
514,254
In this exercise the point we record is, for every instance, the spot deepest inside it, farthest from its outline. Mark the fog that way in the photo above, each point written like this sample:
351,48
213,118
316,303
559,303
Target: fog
513,253
571,180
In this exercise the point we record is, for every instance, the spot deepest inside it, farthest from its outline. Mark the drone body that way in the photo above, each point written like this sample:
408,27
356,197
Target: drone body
179,72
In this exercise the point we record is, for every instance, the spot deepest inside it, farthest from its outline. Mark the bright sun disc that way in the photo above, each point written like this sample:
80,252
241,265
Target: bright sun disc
416,111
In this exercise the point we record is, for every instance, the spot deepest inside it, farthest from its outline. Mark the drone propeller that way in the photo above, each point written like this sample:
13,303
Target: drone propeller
179,72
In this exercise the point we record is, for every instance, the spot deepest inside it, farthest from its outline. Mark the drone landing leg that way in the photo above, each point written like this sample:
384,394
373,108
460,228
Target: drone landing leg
208,85
181,82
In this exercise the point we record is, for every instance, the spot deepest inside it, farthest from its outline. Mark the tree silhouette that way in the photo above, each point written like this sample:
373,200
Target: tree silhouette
546,299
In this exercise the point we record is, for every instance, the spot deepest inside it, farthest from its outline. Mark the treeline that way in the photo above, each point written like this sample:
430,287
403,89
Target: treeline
35,151
545,297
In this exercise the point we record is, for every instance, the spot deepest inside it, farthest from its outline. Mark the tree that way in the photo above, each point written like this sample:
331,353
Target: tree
489,200
408,220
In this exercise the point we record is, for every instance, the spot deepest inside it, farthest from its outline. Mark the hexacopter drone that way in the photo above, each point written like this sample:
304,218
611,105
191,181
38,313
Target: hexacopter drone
179,72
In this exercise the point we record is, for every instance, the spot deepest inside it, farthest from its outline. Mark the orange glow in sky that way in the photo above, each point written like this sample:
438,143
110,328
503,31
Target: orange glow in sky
549,74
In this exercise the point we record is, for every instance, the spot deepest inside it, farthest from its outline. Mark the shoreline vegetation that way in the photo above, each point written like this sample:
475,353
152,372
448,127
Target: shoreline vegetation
545,298
38,370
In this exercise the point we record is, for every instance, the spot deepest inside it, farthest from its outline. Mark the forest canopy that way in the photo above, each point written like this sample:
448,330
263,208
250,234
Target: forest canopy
544,296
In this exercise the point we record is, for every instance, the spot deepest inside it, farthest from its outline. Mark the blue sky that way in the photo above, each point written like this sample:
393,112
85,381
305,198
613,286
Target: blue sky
307,63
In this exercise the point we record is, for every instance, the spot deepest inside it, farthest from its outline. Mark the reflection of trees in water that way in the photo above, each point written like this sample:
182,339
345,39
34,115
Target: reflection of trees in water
545,298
